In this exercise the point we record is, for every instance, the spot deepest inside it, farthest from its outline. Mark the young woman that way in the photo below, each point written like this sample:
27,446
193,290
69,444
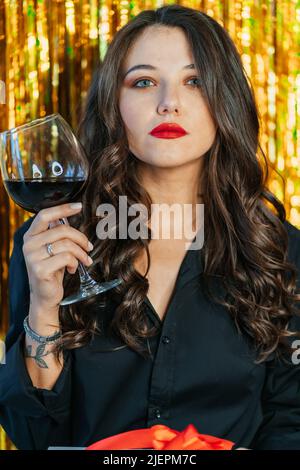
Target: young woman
200,336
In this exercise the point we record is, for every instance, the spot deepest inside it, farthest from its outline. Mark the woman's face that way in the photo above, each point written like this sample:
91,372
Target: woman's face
166,94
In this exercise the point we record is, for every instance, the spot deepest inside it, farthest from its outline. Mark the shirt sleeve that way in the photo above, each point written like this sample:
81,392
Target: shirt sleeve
280,429
33,418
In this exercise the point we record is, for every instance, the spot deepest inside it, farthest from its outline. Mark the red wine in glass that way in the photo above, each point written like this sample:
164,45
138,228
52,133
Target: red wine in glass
43,164
34,195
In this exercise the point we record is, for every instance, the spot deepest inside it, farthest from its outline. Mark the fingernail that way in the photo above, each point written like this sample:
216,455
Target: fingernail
90,246
76,205
90,260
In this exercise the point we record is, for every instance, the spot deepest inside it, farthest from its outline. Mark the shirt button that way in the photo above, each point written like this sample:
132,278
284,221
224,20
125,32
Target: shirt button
157,413
165,339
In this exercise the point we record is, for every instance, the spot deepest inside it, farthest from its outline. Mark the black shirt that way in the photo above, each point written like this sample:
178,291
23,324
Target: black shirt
201,372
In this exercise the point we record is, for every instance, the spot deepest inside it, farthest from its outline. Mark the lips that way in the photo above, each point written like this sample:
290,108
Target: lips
168,131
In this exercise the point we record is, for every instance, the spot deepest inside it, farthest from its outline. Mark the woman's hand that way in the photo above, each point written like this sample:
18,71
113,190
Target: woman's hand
45,273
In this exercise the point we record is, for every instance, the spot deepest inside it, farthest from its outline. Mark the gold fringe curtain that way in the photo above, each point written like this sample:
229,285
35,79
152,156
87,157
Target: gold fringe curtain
48,49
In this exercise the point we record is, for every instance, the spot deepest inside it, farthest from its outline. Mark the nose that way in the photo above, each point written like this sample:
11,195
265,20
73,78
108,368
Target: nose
169,103
167,109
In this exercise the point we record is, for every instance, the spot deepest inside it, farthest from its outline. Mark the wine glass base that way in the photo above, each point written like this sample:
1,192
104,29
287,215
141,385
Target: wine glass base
85,292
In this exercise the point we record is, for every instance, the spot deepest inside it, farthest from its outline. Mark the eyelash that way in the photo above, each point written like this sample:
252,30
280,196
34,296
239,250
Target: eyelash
148,79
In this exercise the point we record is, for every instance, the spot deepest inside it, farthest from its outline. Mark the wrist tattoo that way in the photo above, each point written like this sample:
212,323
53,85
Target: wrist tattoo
38,356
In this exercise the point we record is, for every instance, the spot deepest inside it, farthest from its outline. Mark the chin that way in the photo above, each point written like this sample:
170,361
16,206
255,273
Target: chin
166,163
162,161
167,160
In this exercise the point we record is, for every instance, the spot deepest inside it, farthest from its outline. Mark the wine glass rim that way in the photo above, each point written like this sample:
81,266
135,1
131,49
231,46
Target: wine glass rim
34,123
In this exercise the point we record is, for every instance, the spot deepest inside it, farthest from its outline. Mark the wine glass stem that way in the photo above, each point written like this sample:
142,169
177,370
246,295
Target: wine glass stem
85,278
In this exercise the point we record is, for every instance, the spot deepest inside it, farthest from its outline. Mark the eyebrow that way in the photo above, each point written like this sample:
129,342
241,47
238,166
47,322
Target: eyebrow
151,67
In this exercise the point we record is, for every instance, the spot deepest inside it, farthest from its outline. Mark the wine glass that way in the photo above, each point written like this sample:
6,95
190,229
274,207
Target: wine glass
43,164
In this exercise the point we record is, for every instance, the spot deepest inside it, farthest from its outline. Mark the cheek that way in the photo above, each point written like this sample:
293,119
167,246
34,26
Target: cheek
132,116
204,139
127,110
204,125
132,107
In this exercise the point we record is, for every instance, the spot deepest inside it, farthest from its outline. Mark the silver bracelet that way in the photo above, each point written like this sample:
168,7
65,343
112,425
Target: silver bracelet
38,338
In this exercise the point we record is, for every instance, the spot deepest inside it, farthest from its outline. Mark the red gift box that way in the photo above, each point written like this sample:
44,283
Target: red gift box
160,437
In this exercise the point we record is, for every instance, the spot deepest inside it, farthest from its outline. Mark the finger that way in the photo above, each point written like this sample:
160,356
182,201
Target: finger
58,233
57,222
45,216
63,246
53,224
45,269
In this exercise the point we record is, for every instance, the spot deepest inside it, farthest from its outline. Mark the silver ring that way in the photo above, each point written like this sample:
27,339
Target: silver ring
49,249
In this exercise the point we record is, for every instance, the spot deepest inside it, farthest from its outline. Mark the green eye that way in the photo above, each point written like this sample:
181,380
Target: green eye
195,78
141,80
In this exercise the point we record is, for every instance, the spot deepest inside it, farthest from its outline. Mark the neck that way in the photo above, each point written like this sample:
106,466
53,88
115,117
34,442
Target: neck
179,185
172,185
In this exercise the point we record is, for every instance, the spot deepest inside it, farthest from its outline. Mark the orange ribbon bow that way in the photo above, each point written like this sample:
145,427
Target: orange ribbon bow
162,437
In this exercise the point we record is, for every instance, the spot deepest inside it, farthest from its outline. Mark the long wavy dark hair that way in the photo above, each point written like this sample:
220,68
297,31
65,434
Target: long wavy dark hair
246,242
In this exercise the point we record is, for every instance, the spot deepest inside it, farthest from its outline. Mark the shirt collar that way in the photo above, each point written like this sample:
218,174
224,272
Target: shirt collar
191,267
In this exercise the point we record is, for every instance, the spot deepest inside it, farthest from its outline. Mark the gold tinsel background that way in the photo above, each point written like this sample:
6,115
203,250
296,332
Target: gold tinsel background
48,49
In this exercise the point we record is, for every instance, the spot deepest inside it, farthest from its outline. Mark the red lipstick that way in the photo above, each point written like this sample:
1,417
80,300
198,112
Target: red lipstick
168,130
